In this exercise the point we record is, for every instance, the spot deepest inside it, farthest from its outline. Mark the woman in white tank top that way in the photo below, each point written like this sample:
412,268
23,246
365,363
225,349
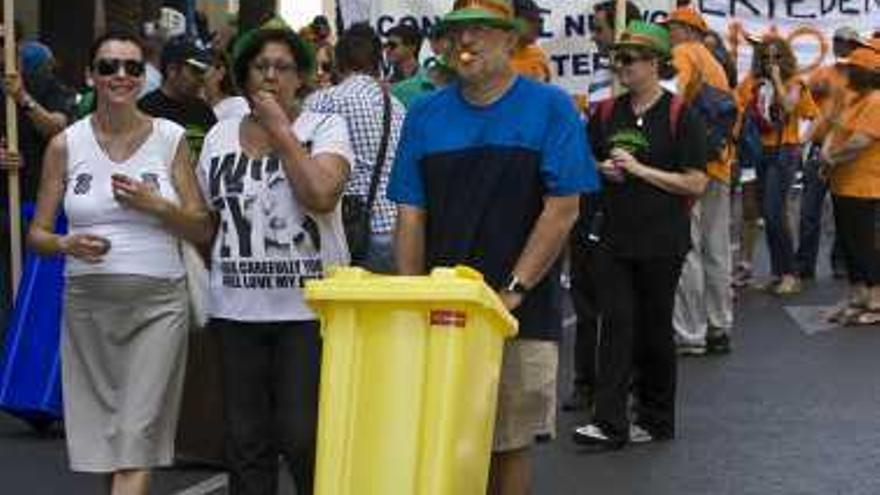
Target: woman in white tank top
130,193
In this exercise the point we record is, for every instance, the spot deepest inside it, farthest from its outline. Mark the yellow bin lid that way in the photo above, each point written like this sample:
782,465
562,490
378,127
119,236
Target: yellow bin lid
444,285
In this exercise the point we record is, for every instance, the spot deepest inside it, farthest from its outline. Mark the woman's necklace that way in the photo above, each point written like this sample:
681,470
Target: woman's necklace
640,109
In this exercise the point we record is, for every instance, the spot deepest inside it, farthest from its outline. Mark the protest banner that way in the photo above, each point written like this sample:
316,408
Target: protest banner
809,24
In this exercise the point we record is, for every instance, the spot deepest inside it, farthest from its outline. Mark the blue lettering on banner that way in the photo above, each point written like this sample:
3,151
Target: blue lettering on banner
575,25
845,10
384,23
796,15
792,9
734,12
581,64
825,11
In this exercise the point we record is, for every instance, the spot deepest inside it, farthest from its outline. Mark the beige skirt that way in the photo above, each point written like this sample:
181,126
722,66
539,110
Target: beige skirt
123,362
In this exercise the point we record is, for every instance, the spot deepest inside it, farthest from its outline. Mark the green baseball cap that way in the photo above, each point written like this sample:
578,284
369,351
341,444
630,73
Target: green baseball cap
641,34
493,13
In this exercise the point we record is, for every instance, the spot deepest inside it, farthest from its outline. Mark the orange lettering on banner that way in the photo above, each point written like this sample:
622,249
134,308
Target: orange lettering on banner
738,36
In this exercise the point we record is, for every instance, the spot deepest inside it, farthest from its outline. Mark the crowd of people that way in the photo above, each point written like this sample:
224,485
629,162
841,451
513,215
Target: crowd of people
284,152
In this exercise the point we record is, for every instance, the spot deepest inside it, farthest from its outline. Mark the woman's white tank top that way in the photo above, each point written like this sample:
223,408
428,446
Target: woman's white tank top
139,245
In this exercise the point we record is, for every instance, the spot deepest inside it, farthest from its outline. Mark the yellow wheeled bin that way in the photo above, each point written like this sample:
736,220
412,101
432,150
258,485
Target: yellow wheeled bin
409,382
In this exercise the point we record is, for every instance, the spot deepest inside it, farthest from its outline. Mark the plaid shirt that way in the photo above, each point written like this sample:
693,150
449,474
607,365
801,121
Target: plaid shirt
359,100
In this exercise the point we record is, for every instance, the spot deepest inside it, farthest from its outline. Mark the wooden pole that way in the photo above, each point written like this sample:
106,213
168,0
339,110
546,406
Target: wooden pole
12,144
619,27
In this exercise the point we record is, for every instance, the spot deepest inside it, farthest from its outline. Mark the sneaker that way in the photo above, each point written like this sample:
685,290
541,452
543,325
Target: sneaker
639,435
718,344
591,435
581,399
691,350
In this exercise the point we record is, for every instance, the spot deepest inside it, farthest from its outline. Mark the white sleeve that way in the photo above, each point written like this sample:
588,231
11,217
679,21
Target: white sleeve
331,136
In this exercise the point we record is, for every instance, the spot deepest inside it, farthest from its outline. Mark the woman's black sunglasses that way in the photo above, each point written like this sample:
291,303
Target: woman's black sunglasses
110,66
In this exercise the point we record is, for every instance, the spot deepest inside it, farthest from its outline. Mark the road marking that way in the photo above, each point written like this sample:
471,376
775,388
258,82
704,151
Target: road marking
571,320
210,485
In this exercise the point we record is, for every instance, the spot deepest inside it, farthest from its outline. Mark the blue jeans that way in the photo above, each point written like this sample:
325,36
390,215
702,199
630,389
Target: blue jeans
776,172
810,230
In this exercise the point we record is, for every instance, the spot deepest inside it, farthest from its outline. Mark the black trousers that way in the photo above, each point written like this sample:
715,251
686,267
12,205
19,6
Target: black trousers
636,343
858,226
586,307
271,373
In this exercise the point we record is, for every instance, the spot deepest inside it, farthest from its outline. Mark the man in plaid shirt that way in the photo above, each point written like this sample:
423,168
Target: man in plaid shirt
359,99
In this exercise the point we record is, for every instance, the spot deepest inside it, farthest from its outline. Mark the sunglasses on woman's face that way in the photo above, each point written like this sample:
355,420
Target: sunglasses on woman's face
110,67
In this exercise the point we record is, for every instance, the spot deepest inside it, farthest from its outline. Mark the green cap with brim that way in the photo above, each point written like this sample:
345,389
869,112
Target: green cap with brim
493,13
305,56
646,35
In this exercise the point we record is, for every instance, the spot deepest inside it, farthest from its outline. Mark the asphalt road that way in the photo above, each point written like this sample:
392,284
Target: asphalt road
792,411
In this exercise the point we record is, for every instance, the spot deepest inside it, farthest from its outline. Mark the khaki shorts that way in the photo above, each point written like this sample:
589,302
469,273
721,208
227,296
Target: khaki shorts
526,394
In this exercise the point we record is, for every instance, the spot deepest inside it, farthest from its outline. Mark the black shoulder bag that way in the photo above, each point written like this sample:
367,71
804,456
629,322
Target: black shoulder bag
357,213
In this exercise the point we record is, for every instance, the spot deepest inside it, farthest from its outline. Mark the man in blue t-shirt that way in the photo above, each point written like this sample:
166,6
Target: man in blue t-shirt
488,174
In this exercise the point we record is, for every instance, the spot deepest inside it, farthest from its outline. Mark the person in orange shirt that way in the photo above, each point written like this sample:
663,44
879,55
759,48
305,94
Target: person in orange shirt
530,60
829,88
851,153
704,300
777,100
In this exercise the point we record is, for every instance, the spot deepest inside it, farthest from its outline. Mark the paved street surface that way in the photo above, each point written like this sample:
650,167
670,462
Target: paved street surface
794,411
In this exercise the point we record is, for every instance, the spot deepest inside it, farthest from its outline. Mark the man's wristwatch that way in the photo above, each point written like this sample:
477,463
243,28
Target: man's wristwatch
515,286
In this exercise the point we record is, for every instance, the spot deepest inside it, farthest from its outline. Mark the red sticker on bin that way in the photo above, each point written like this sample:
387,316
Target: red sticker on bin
448,318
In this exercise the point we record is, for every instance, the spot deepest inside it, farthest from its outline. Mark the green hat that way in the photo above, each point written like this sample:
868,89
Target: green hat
641,34
305,54
494,13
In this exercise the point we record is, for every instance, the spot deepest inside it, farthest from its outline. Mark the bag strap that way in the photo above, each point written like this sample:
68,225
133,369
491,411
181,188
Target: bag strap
383,152
676,108
605,111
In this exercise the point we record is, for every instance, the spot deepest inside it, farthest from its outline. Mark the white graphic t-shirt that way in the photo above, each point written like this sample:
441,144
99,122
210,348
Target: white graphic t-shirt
267,244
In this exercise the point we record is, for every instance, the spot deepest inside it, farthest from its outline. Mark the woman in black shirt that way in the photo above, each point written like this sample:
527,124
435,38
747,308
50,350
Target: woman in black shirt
653,153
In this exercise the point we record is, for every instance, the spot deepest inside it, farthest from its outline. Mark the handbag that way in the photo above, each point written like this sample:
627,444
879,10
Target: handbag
357,210
197,285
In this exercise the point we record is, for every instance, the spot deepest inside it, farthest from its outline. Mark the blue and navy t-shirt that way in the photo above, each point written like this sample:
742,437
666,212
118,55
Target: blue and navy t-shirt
481,174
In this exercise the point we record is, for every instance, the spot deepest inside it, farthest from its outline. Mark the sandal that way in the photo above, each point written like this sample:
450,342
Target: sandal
869,317
845,312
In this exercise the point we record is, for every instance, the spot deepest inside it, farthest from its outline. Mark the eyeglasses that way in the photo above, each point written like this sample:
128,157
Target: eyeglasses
280,66
624,59
106,67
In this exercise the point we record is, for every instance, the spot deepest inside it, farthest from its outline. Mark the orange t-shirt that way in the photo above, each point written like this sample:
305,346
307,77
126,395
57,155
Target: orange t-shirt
805,109
695,65
859,178
532,62
828,85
